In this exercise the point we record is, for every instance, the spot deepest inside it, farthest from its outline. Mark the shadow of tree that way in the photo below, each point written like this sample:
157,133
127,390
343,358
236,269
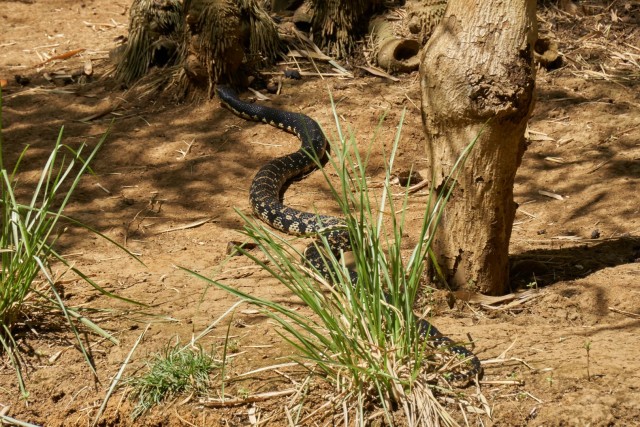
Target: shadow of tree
162,161
544,266
588,156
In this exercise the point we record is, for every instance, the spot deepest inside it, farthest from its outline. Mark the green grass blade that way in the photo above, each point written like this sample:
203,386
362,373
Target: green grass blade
28,235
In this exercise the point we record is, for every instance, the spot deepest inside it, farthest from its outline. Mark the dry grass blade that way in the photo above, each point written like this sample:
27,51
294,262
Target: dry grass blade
488,300
520,300
379,73
213,324
550,194
175,412
483,399
316,54
325,407
15,422
501,382
259,95
193,224
272,368
260,397
423,408
116,379
625,313
303,53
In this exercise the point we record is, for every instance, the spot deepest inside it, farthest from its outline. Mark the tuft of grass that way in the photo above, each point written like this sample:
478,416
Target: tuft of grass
177,370
28,233
173,371
367,344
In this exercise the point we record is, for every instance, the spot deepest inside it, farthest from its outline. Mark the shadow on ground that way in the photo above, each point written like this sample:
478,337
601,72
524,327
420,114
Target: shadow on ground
546,266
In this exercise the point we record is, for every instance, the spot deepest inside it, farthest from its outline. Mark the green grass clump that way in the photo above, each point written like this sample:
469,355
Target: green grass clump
174,371
367,345
28,233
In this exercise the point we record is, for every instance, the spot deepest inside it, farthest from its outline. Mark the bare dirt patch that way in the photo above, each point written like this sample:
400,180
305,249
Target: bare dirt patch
166,166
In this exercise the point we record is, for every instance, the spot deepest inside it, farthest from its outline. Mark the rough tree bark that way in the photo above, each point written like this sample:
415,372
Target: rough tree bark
477,73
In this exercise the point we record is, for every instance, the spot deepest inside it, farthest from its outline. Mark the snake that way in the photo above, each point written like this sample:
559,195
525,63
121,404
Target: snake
265,199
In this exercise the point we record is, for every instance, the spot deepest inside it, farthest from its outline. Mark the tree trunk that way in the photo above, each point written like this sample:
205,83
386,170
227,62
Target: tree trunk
477,74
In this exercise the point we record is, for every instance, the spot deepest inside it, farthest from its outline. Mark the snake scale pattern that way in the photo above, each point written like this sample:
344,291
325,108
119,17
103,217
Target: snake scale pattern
265,191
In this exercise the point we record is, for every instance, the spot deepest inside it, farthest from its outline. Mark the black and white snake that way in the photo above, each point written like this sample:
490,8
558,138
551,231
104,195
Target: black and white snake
266,187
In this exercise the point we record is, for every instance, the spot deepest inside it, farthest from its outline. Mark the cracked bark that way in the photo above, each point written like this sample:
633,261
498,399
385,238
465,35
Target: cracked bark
477,73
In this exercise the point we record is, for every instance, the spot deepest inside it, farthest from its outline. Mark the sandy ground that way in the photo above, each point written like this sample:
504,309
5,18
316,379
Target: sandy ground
169,177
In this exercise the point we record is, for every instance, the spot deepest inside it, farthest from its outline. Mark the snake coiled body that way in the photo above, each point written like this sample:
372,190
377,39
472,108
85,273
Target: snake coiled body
264,196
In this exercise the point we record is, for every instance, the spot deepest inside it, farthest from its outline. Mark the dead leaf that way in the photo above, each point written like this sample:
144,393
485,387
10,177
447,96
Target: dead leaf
65,55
